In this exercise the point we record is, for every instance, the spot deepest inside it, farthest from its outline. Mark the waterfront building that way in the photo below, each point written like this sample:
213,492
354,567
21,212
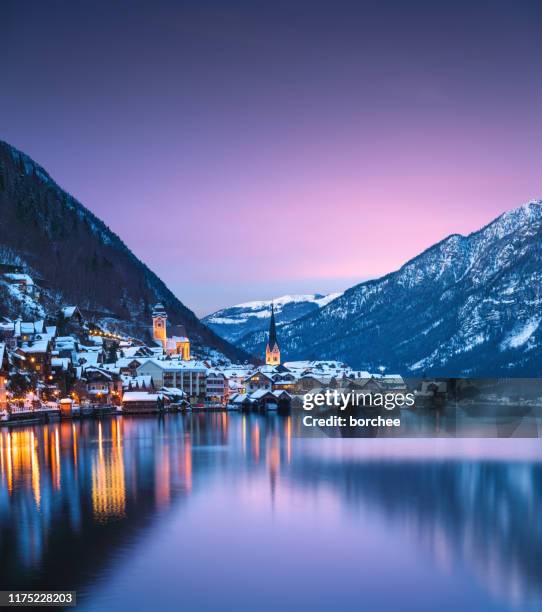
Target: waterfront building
3,375
190,376
141,402
217,389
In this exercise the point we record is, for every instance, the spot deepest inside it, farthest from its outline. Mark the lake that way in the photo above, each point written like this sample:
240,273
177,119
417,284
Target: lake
226,511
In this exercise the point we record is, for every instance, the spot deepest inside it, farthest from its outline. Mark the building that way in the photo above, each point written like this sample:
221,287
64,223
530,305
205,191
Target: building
284,382
159,324
178,343
140,402
217,390
258,381
272,350
37,356
190,376
3,375
103,387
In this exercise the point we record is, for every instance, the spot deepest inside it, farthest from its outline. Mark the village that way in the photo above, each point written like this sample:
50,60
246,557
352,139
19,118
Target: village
67,366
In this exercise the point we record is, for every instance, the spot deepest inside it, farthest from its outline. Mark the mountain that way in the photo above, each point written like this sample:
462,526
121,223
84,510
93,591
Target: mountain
76,259
469,305
235,322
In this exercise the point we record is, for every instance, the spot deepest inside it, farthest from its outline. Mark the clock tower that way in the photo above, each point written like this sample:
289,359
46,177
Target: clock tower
159,324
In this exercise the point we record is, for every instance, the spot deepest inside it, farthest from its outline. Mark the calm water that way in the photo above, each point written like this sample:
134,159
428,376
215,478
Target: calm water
227,512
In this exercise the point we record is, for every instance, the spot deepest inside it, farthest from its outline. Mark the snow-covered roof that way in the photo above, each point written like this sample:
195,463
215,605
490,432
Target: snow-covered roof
68,311
144,380
172,342
130,351
211,372
124,362
90,358
238,398
40,346
105,373
258,373
60,362
281,393
172,391
65,342
140,396
259,394
236,372
175,365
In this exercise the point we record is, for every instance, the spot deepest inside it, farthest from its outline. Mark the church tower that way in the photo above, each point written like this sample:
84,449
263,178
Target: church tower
159,324
272,350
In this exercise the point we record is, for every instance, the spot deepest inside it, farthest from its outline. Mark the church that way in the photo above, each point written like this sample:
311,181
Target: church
178,343
272,350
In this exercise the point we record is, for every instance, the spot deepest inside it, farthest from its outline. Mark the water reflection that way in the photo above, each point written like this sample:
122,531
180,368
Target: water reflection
78,498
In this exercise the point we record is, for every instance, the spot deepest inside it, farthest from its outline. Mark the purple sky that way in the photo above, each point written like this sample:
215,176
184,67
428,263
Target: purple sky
248,149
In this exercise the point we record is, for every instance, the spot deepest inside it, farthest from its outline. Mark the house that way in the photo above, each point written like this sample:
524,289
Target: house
217,389
284,382
72,314
128,365
137,383
104,387
26,331
270,400
258,381
134,402
37,356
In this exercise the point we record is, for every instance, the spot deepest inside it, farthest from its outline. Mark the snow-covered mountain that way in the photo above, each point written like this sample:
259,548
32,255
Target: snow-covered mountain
253,317
469,305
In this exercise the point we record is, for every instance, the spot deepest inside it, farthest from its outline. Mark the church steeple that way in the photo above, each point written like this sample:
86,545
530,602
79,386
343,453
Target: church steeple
272,350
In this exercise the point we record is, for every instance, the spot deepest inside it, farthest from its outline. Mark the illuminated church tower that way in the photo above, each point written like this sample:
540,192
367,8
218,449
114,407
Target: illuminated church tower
272,350
159,324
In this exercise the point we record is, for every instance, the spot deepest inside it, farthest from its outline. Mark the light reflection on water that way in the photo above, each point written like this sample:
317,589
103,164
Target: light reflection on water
222,511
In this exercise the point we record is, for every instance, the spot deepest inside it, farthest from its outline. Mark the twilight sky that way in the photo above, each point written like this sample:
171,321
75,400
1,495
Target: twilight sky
248,149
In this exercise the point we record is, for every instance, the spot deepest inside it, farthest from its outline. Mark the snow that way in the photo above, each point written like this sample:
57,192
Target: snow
24,278
139,396
521,334
262,308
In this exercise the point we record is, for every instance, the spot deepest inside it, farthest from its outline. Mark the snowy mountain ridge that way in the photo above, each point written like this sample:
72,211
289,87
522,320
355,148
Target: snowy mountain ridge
468,305
236,321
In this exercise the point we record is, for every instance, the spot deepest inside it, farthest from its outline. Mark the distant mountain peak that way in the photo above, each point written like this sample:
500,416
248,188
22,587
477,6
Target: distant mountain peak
466,306
252,317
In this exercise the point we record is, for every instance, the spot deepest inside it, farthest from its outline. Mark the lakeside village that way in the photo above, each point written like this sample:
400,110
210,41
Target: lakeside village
67,366
71,367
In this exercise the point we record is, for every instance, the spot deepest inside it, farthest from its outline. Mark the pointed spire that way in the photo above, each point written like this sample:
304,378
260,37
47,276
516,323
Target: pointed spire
272,329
